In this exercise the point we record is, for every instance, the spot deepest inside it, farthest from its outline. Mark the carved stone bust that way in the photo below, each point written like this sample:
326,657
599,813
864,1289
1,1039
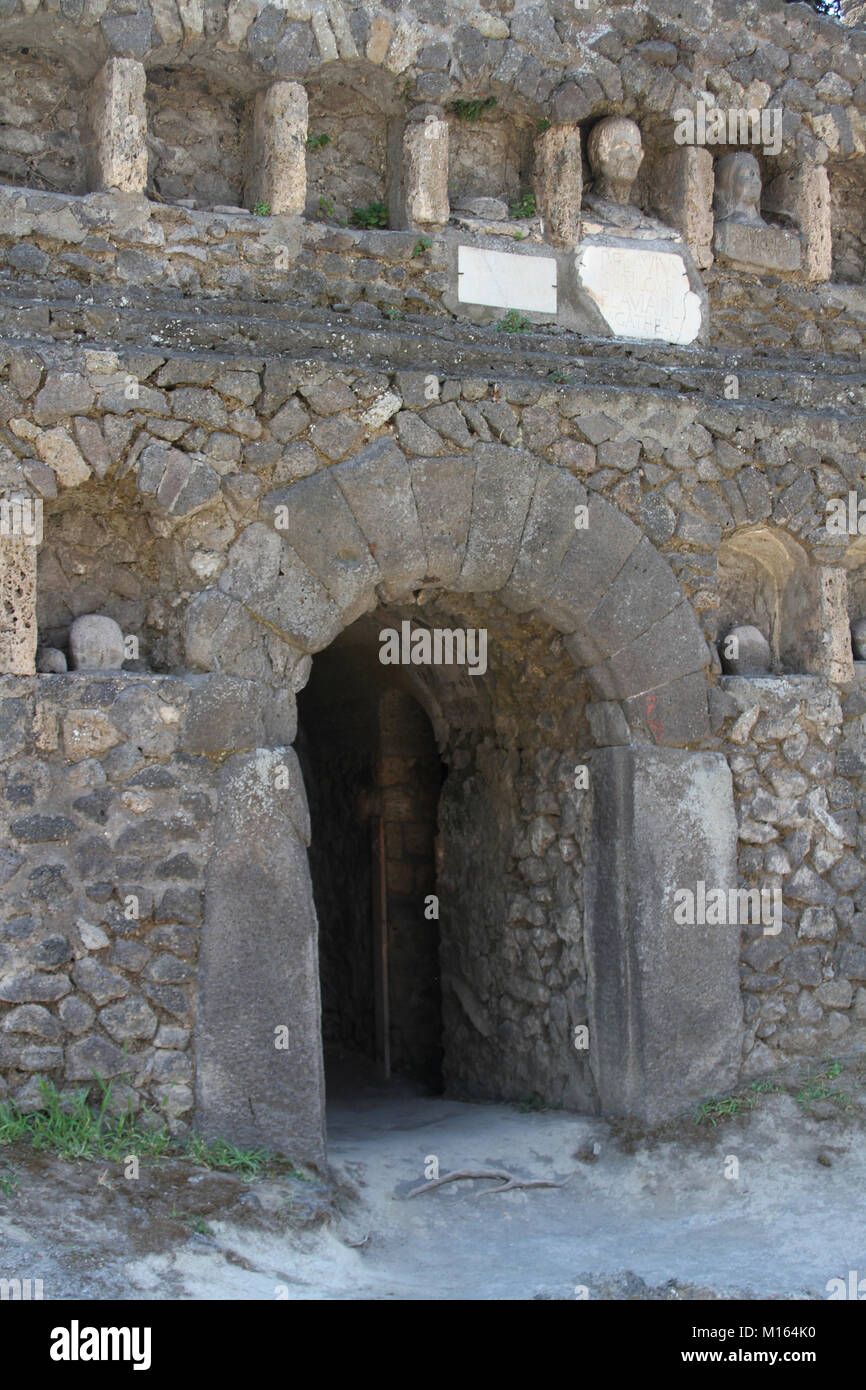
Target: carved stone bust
738,190
615,154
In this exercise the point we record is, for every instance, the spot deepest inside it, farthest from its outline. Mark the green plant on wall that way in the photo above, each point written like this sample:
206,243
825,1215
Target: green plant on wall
524,206
373,215
262,209
318,142
472,110
421,245
326,207
514,323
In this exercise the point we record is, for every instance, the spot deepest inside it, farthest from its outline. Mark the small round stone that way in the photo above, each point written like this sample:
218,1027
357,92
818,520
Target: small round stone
50,661
745,651
96,643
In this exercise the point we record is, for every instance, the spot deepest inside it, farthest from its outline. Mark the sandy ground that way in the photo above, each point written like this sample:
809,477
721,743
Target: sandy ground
637,1216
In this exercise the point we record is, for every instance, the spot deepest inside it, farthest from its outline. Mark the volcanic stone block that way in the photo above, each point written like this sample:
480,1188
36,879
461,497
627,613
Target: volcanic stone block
559,184
118,118
549,531
593,559
377,487
259,970
443,497
644,591
279,176
665,1016
504,484
17,607
319,526
674,646
267,576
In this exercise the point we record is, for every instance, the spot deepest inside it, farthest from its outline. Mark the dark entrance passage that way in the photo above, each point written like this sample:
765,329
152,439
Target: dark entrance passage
373,777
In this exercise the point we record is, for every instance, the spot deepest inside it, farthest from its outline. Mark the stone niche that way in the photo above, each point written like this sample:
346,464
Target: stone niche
766,580
43,124
354,151
491,156
797,243
200,138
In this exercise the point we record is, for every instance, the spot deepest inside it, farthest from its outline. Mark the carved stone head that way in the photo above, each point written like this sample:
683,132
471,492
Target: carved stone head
615,155
738,190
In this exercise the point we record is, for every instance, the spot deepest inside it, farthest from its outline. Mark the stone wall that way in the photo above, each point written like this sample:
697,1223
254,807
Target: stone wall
796,750
43,129
200,139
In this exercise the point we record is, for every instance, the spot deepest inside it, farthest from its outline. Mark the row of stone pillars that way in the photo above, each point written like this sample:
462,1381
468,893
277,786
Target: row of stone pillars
419,185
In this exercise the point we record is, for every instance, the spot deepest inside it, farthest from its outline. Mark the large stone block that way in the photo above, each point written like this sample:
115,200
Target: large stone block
504,484
118,119
559,184
547,535
592,561
443,497
757,249
665,1016
378,489
279,176
270,579
318,524
258,969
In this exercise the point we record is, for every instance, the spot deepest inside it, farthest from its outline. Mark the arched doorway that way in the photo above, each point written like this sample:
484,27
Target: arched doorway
494,541
373,776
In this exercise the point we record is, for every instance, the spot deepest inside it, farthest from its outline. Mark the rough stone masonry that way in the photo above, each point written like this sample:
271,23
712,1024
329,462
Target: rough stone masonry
320,319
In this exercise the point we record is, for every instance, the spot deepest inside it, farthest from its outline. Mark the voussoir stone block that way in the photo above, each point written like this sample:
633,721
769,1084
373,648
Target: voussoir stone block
315,519
644,591
549,531
442,488
676,714
673,646
591,563
377,487
504,484
266,574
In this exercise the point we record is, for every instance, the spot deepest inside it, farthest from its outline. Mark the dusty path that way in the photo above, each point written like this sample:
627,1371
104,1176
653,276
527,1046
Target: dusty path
657,1219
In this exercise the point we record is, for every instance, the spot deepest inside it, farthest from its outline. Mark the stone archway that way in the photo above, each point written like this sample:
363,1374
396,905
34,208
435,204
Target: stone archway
664,1014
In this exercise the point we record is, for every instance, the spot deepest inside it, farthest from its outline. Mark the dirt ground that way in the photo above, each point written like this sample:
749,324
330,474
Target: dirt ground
636,1216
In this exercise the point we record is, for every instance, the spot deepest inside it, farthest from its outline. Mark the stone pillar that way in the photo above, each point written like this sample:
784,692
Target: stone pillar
424,173
815,624
118,121
803,195
559,184
279,172
258,967
665,1016
17,605
682,195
